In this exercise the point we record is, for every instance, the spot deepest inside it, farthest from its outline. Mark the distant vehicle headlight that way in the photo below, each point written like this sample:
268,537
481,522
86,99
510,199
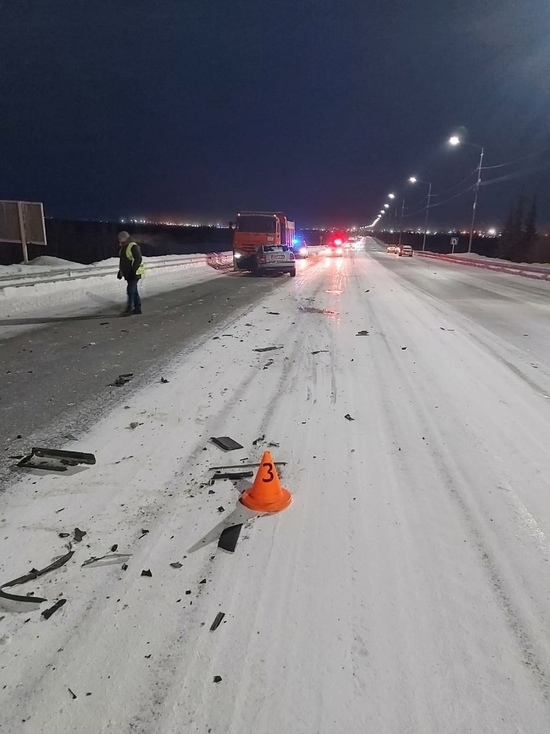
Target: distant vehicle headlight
237,255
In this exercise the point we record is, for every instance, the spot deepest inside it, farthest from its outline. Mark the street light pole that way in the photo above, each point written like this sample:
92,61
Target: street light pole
474,207
427,214
414,180
401,221
455,140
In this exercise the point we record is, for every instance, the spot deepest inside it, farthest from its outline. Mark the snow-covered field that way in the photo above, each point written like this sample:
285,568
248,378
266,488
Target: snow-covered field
407,587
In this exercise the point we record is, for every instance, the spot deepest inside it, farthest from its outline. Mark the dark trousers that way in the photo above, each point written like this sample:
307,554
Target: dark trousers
134,301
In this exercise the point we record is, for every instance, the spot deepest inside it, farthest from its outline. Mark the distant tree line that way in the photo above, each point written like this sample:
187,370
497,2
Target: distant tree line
520,240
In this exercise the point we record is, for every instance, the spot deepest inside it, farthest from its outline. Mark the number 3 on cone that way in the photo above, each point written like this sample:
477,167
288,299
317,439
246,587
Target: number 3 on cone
270,475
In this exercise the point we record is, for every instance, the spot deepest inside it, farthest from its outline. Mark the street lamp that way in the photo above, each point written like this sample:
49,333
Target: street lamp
413,180
386,206
391,196
455,140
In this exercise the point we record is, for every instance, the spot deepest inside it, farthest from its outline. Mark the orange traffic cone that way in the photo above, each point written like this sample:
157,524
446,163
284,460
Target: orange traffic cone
266,494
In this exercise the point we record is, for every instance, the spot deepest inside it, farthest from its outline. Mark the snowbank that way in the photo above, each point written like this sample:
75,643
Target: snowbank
538,272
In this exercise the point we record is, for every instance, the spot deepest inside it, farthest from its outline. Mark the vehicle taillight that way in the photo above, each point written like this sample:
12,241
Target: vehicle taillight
338,242
263,260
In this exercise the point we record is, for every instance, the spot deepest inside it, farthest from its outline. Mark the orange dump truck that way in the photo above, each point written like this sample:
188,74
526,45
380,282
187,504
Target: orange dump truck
254,229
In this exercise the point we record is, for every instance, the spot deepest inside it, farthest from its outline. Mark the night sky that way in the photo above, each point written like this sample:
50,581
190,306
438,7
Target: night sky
194,109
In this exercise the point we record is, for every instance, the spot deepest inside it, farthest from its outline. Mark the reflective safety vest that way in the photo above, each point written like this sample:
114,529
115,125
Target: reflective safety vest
129,256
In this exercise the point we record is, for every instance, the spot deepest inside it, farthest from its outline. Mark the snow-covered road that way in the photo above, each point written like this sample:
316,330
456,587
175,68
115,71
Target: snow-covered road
407,587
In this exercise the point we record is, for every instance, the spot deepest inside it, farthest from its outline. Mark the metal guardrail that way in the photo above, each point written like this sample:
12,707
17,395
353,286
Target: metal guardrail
22,280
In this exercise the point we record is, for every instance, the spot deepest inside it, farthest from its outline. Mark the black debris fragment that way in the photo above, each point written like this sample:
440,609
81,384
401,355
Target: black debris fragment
122,379
64,535
47,613
348,417
177,564
221,508
231,475
73,695
33,574
164,380
60,510
258,440
211,491
124,566
188,592
266,349
229,537
147,572
272,445
273,313
217,679
216,623
79,534
133,425
202,582
320,351
403,348
226,443
144,532
55,459
268,364
362,333
243,466
114,548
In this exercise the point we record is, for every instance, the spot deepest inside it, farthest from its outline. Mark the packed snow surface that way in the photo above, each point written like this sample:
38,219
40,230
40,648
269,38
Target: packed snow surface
406,588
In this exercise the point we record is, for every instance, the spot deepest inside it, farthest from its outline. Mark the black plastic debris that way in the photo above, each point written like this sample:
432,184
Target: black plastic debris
144,532
229,538
114,548
147,572
273,313
258,440
231,475
268,364
33,574
122,379
79,534
216,623
348,417
73,695
320,351
133,425
202,582
273,445
266,349
243,466
164,380
226,443
64,535
124,566
47,613
177,564
217,679
362,333
221,508
55,459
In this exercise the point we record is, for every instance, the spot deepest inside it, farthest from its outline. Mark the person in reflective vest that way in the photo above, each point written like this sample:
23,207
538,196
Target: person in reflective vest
131,269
